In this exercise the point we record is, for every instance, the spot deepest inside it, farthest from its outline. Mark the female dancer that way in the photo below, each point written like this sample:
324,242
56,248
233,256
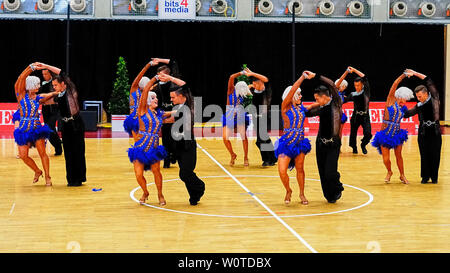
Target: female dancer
131,123
341,85
391,136
292,147
30,131
235,116
146,153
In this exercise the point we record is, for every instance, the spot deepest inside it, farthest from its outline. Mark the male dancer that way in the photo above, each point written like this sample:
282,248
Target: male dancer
328,142
361,115
429,138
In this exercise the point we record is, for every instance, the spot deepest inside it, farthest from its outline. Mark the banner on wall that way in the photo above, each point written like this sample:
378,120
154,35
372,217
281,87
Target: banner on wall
376,117
176,9
376,112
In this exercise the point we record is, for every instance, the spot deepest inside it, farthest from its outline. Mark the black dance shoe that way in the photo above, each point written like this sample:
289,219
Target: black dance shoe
74,185
363,148
424,181
265,164
355,150
434,181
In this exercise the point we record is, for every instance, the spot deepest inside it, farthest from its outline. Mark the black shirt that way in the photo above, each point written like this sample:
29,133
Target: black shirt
360,100
63,105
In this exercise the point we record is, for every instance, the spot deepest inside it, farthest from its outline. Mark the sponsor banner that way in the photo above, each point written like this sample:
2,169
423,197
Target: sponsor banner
176,9
376,112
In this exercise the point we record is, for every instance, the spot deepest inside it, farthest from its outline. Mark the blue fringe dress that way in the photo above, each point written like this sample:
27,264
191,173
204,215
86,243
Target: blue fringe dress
344,116
293,141
147,149
30,128
131,123
235,113
16,116
392,136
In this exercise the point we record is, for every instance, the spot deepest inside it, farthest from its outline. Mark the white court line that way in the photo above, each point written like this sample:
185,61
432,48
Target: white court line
260,202
12,208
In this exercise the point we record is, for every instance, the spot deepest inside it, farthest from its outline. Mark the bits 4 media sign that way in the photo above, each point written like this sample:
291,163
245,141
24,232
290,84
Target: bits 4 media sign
176,9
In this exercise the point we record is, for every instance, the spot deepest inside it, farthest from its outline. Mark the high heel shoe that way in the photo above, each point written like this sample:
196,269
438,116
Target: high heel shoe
143,199
246,164
36,177
287,198
304,200
162,201
404,180
233,159
388,177
48,181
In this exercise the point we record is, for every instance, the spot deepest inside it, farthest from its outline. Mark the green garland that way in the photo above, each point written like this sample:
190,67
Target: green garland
249,99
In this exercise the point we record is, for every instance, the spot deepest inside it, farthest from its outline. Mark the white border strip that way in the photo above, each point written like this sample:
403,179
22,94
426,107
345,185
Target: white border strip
260,202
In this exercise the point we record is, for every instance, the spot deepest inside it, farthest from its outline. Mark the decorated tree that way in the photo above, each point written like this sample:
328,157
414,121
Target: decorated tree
119,102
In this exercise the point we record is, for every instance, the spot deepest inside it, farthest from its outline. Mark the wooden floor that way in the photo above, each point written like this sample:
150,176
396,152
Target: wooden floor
370,217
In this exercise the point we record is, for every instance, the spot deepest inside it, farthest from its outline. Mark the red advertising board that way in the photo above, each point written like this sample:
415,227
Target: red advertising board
376,117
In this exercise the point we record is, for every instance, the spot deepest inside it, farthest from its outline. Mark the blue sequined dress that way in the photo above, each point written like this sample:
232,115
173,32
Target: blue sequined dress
147,149
30,128
392,135
344,116
293,141
131,123
235,113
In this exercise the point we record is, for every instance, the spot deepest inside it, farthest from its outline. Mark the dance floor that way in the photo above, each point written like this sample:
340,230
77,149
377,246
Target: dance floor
242,209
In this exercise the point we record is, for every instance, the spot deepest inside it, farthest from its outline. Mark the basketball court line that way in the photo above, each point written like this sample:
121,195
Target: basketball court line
260,202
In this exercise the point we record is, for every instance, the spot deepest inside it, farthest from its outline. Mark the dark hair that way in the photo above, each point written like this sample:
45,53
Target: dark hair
322,90
164,68
358,79
422,88
186,92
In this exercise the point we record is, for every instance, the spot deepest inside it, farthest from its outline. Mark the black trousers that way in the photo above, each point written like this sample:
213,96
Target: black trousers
74,151
168,142
327,156
364,122
186,155
430,143
263,141
50,114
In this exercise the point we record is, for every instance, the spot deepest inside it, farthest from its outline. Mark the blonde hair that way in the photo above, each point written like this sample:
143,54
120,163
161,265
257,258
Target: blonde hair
288,89
143,82
404,93
344,84
151,96
32,82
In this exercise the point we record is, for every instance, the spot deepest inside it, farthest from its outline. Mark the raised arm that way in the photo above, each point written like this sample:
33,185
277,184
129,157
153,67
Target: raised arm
354,70
342,78
231,82
256,75
391,96
53,69
287,102
20,85
330,85
143,107
167,78
135,84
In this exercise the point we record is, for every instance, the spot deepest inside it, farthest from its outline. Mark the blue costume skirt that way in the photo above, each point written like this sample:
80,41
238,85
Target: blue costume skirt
344,117
387,141
147,158
232,123
282,147
16,116
130,124
23,137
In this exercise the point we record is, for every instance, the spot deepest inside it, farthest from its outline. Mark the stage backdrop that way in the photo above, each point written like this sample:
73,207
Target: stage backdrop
208,52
